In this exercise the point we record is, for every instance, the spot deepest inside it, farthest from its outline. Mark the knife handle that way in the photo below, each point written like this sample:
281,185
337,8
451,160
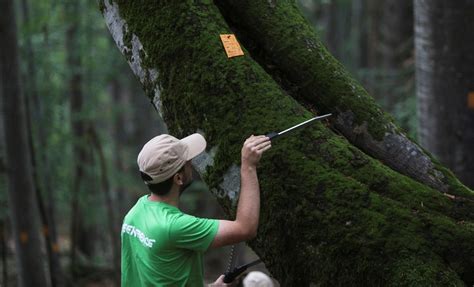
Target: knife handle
231,275
272,135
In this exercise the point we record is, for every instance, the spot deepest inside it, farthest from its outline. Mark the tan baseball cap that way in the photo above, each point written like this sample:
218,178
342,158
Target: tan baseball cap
164,155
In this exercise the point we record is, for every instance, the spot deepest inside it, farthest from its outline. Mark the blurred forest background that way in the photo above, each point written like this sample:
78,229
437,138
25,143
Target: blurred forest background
88,118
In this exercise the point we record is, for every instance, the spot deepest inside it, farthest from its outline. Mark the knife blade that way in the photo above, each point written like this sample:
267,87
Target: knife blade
274,135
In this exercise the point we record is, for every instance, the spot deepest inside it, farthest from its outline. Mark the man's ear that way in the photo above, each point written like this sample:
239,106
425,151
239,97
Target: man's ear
178,179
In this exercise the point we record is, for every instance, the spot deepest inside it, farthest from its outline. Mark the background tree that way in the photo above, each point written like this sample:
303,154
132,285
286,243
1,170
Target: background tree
340,207
81,230
40,162
22,199
445,72
396,92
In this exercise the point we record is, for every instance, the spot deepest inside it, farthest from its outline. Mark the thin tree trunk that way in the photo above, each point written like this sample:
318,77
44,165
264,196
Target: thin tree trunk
3,246
22,199
35,109
3,189
346,218
122,131
373,33
338,29
445,73
359,33
50,199
113,229
332,28
41,206
396,31
80,234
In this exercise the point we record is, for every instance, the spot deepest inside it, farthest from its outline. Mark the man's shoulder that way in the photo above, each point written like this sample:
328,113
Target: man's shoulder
135,208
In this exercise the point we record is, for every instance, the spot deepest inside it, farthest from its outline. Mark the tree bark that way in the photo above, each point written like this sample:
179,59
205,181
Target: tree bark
319,82
346,218
445,72
22,199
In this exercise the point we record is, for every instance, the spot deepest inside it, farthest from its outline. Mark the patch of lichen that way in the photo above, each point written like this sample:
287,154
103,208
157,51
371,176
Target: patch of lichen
339,228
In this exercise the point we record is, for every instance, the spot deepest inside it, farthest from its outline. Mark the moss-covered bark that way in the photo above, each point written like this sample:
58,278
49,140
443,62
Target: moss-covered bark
288,47
330,215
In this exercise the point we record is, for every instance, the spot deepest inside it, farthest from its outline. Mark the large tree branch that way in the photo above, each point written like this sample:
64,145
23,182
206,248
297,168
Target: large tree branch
288,47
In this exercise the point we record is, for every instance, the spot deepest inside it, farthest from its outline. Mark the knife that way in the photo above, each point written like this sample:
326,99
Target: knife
274,135
229,276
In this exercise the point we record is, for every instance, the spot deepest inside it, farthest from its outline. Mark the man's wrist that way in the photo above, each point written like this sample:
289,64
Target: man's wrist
245,167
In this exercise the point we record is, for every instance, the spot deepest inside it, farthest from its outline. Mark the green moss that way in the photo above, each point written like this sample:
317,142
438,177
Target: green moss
286,45
319,78
102,5
419,271
343,215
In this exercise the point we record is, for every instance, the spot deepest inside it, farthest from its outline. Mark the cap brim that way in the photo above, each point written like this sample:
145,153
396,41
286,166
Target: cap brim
196,145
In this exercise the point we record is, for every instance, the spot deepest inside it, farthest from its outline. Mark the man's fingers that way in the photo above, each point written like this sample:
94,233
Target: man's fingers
257,139
265,149
263,144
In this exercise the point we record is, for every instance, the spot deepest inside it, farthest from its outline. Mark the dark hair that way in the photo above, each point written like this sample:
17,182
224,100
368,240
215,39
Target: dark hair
162,188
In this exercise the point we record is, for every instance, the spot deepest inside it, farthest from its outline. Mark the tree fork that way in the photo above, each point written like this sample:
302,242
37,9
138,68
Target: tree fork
341,228
289,49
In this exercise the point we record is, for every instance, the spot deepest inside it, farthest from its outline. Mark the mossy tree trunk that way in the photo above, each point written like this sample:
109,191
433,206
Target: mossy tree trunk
331,214
287,46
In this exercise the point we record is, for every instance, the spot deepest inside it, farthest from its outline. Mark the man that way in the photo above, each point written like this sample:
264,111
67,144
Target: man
161,246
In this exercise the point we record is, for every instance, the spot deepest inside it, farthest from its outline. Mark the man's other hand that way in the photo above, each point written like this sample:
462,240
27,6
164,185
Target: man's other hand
220,283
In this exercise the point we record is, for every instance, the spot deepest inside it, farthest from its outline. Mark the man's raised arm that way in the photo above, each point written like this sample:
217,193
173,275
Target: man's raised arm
245,226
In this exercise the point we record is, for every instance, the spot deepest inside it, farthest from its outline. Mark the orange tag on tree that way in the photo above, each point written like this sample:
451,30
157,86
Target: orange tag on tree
231,46
470,100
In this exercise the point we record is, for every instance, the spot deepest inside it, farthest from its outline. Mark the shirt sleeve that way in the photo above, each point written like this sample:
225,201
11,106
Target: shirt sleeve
194,233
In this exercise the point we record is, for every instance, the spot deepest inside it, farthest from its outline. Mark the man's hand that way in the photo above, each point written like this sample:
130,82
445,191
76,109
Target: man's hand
220,282
253,148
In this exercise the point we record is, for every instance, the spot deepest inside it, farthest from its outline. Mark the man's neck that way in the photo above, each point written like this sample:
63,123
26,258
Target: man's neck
172,198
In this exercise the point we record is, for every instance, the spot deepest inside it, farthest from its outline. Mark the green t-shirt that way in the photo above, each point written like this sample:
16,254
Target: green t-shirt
161,246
